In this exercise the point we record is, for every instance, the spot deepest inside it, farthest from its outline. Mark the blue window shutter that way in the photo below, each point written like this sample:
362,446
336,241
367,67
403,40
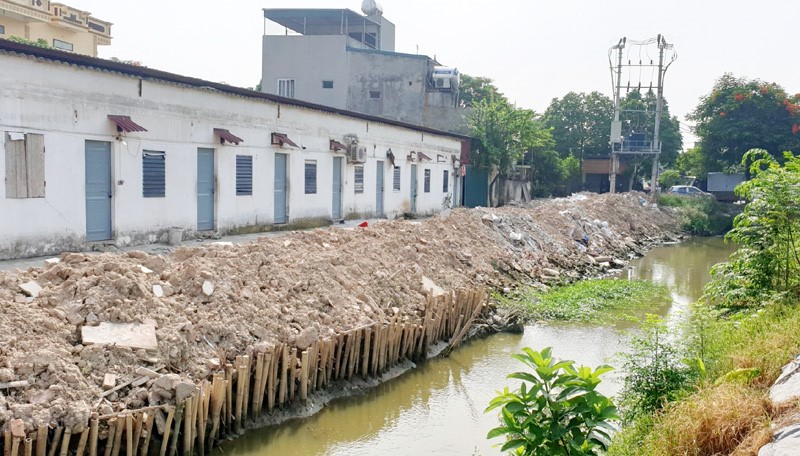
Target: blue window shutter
244,175
445,181
153,174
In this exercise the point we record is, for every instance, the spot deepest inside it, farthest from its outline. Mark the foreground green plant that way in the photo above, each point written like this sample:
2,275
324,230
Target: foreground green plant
699,216
556,410
591,300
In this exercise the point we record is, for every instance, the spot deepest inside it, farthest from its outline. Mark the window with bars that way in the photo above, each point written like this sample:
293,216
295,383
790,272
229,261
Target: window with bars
153,174
244,175
358,182
24,165
426,185
286,88
396,182
445,181
311,176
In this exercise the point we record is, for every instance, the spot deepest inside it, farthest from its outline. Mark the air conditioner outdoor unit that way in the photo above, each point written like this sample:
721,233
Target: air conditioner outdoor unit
357,154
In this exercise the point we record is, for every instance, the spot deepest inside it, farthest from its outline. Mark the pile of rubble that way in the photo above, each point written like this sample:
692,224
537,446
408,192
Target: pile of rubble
105,333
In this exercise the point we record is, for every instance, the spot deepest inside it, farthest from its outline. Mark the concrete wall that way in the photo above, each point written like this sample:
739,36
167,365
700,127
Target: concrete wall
82,42
69,105
400,79
308,60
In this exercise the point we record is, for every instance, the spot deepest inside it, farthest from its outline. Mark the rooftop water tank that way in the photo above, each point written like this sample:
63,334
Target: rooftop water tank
371,8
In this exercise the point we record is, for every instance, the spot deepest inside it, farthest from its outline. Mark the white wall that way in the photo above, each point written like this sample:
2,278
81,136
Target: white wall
70,105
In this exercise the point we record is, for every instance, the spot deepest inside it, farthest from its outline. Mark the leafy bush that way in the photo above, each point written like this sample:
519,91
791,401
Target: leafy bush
768,232
654,373
700,216
669,178
556,410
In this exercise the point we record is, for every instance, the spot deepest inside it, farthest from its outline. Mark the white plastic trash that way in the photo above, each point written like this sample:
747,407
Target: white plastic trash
175,235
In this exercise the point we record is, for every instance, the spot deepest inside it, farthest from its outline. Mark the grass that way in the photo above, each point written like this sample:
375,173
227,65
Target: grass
724,418
700,216
602,300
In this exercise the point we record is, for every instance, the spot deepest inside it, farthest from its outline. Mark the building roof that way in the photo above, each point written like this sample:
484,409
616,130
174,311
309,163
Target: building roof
54,55
300,19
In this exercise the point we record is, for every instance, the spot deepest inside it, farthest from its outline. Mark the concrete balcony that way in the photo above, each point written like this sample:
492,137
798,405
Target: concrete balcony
24,11
78,20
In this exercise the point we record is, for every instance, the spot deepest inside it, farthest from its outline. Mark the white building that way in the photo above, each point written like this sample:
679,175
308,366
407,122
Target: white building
99,151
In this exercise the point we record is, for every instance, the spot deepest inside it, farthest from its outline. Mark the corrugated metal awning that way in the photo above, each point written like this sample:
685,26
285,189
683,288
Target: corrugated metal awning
125,124
225,135
280,139
336,145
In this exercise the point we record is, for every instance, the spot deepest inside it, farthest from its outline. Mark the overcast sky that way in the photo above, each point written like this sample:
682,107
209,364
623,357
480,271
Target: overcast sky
533,50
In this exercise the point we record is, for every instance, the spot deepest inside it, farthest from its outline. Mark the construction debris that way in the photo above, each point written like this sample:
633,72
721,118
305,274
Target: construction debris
284,291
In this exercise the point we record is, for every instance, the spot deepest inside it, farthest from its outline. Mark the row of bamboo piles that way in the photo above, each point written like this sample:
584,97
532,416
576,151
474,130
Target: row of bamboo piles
253,384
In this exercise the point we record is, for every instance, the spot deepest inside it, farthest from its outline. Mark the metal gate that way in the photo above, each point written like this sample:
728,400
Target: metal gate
205,189
379,189
98,190
476,188
413,189
281,186
336,211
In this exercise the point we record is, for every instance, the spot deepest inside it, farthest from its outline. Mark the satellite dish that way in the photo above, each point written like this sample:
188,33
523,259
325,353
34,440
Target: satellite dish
371,8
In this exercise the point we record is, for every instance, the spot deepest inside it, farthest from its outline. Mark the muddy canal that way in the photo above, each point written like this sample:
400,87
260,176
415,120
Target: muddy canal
437,409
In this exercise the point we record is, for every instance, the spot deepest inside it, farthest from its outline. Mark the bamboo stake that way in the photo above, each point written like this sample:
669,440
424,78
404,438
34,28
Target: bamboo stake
331,342
112,430
323,362
94,431
284,375
203,426
259,374
188,430
173,445
347,350
247,378
167,429
65,442
292,373
148,433
82,442
304,375
118,436
15,446
262,388
271,379
217,399
240,381
137,431
56,441
28,446
313,358
228,394
41,440
7,442
365,354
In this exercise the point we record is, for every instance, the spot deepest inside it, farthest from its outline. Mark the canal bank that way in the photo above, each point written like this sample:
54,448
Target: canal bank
438,407
279,309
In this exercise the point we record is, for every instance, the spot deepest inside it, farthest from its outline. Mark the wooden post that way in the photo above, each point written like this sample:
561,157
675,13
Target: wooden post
137,431
15,446
283,387
28,446
94,432
272,378
56,441
41,440
292,373
247,379
173,445
257,387
82,442
167,429
65,442
241,378
365,354
148,433
7,442
304,375
313,359
202,415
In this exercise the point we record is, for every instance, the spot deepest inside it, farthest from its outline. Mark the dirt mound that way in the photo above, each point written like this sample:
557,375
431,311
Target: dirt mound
210,303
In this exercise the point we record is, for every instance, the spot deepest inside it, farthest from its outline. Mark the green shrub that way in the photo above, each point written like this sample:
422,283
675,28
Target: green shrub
556,410
702,216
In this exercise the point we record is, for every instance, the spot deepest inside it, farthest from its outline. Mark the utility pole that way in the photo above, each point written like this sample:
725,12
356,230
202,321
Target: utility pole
637,143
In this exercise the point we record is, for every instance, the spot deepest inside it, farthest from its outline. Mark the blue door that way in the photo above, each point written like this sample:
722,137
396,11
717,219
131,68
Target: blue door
205,189
281,189
475,188
379,189
413,189
336,211
98,190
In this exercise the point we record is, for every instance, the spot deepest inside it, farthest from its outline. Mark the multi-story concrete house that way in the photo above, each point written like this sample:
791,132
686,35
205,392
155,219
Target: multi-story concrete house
60,26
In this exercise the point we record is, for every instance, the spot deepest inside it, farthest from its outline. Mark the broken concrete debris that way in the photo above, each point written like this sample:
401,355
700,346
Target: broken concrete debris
201,306
31,289
131,335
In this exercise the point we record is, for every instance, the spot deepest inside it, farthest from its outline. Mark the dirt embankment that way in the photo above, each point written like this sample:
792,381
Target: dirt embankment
213,302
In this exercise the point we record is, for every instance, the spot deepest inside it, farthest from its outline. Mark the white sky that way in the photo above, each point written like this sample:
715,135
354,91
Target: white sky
534,50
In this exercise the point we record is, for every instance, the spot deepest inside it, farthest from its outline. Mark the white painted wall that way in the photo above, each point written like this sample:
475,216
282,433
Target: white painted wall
69,105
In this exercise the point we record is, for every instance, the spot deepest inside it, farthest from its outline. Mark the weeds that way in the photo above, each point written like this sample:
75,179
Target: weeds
700,216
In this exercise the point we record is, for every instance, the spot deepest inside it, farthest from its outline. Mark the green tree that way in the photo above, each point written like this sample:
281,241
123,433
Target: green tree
669,178
547,172
638,116
581,124
691,163
504,133
767,232
556,410
472,90
742,114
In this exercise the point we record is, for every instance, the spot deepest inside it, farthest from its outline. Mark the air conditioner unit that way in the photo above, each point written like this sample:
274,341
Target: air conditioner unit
357,155
446,78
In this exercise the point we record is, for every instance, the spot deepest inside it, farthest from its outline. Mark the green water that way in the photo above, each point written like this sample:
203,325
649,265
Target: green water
437,409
